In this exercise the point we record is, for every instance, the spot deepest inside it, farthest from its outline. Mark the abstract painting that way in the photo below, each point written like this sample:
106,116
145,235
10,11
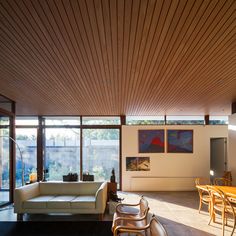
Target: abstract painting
180,141
137,163
151,141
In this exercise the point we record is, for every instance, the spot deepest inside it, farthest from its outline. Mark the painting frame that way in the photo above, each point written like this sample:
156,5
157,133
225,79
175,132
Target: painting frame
138,164
151,141
179,141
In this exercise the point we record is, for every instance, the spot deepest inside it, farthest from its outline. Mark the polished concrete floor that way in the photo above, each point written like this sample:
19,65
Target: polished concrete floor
178,211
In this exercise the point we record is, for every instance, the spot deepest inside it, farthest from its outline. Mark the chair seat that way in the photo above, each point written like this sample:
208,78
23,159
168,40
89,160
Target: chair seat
220,207
206,198
84,202
127,210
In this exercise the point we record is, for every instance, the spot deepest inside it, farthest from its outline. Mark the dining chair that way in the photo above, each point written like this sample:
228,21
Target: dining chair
155,228
204,195
202,181
222,182
223,206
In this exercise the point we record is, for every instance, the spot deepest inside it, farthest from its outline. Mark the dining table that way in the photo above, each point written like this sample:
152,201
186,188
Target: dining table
229,191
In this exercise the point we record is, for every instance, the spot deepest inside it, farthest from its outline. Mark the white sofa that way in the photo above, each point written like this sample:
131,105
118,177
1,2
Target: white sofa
61,197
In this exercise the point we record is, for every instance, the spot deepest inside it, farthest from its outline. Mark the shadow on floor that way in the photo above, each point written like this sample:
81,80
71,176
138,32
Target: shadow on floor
175,229
188,199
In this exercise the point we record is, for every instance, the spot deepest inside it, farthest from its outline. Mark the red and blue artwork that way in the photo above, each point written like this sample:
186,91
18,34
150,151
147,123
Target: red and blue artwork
151,141
180,141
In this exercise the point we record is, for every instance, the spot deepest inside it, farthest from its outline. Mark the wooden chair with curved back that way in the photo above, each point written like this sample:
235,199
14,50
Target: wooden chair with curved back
132,209
223,206
222,182
204,196
155,228
131,214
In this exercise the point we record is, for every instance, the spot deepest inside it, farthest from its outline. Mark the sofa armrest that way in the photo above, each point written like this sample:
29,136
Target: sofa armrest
24,193
101,198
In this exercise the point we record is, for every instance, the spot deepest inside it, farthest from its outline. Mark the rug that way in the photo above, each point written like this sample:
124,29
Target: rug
65,228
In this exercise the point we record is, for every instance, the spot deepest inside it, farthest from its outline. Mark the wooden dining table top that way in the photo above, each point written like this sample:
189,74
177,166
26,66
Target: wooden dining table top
228,190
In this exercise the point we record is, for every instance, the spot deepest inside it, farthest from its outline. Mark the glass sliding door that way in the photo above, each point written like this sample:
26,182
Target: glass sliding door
62,152
101,153
4,160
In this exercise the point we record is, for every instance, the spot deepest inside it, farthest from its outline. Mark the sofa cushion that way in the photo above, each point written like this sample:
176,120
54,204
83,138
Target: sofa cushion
69,188
84,202
38,202
60,201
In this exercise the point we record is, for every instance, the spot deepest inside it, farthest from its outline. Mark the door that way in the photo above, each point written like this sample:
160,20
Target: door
218,161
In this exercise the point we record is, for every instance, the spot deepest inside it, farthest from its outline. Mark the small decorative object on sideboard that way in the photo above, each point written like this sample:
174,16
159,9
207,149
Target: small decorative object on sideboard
88,177
113,177
33,177
70,177
114,197
45,172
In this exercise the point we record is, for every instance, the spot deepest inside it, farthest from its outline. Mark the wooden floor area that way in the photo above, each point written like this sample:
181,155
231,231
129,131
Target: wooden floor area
178,211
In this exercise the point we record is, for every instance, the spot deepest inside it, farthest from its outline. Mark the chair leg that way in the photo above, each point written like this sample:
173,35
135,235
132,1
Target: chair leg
200,206
223,223
233,226
210,219
19,217
211,214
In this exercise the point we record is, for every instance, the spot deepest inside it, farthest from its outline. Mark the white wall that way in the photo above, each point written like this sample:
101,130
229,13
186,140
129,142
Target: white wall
232,147
170,168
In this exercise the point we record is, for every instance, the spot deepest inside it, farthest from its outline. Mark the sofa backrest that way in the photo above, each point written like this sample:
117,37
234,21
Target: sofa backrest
67,188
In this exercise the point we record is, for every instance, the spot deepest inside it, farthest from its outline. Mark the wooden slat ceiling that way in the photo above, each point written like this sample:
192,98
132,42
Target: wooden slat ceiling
112,57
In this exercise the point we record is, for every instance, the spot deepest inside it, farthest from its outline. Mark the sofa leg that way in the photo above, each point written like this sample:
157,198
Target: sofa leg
100,217
19,217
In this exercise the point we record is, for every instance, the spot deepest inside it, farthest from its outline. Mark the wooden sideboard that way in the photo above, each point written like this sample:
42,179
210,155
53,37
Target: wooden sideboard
111,187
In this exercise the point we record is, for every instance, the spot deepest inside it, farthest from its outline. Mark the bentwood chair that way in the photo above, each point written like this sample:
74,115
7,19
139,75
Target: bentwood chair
154,228
222,182
130,221
131,214
123,209
204,195
222,206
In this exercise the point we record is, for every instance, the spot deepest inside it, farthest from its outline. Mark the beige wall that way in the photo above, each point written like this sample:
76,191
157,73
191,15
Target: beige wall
169,171
232,147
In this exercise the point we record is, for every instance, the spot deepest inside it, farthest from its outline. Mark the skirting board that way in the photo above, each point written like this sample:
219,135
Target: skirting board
162,184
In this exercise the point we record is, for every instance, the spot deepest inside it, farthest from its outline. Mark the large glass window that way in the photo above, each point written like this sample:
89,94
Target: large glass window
61,147
62,152
218,120
145,120
101,153
26,154
26,121
185,120
101,120
4,161
62,121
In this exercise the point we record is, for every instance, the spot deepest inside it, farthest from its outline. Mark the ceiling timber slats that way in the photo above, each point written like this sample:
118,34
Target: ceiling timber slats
114,57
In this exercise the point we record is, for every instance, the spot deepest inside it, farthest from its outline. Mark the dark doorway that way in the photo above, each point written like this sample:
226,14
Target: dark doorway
218,161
